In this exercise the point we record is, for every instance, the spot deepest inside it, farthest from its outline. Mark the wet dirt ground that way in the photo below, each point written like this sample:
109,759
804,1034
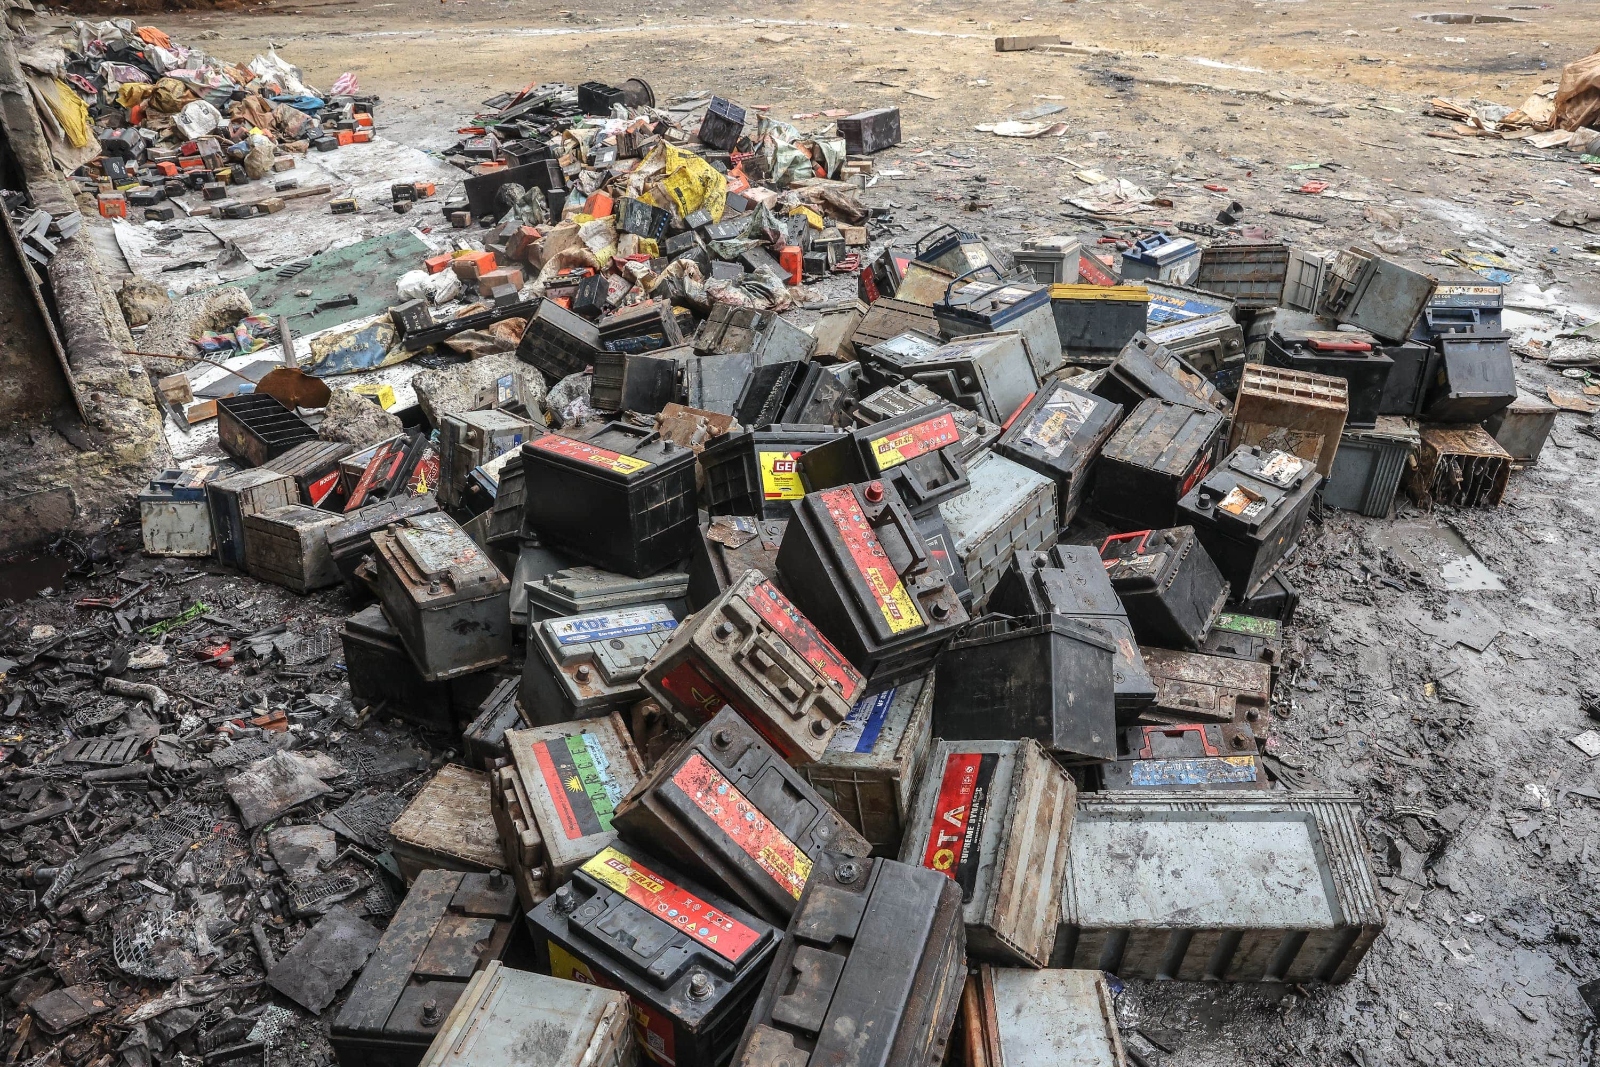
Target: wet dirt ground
1481,815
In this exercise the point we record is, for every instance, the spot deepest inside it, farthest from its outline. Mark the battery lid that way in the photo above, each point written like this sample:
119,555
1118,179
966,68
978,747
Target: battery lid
1051,423
672,905
441,550
1281,469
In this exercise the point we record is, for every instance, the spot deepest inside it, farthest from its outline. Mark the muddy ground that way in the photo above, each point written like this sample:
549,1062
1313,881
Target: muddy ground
1482,816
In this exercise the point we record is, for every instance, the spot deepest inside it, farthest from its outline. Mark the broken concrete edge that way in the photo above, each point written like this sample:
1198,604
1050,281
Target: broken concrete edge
84,481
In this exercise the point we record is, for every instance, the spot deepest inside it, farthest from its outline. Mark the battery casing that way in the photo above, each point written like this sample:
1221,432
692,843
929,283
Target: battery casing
757,472
1249,511
728,546
232,496
584,666
1170,587
1146,370
1158,454
974,432
1059,1017
350,540
1476,378
1006,509
1355,357
471,438
1186,756
483,739
449,604
918,452
288,546
557,342
174,513
586,590
503,1014
1094,322
1191,687
448,826
1059,434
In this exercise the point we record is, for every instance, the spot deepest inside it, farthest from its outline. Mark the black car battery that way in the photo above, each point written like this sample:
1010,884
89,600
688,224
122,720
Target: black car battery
483,740
823,395
1461,307
586,590
715,383
1071,580
974,304
1276,599
1145,370
381,673
889,317
1059,434
557,342
1353,356
757,472
1248,512
1475,379
450,926
867,132
1048,677
597,98
1172,590
622,498
727,809
875,760
1416,364
643,327
1186,756
1211,344
583,666
722,124
728,546
957,251
314,466
765,393
1246,637
995,818
870,974
1158,453
1375,294
254,427
891,361
1095,322
860,570
915,452
975,432
644,382
691,962
941,542
1191,687
350,539
764,334
753,651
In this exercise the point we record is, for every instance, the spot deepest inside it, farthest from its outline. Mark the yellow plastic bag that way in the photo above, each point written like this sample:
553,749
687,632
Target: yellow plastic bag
693,184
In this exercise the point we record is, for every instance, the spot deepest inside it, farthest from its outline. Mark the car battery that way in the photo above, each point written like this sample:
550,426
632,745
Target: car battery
1461,466
505,515
1475,378
867,132
1355,357
1193,687
314,466
1369,465
753,651
1186,756
892,361
986,306
254,427
1059,434
874,761
444,596
1520,428
380,672
1248,512
643,327
730,545
1164,258
533,563
1049,260
1158,453
859,569
823,395
974,432
916,453
1416,364
483,740
447,826
1058,1017
234,495
644,382
586,590
1252,274
870,974
727,809
1144,370
350,539
889,317
623,498
472,438
175,514
1071,580
989,374
1171,304
1246,637
941,544
691,963
555,799
923,283
1276,599
581,666
1462,307
763,394
1171,589
1303,280
1094,322
1048,677
1007,509
503,1013
766,335
1212,345
557,342
721,125
288,546
956,251
757,472
1290,411
450,926
1375,294
996,818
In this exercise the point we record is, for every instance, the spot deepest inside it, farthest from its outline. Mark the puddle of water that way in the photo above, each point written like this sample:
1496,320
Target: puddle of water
1461,18
28,575
1438,549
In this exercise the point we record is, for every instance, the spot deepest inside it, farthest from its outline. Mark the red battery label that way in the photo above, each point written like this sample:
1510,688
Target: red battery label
616,462
672,904
747,825
798,633
958,817
888,591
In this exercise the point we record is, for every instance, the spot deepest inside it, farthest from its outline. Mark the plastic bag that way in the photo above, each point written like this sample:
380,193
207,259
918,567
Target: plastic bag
197,120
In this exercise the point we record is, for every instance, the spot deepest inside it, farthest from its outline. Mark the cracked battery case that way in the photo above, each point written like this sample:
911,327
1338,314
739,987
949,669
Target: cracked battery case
916,453
995,817
585,590
691,963
728,546
1171,589
1145,370
754,652
449,604
1248,513
1059,434
1158,454
450,926
726,808
507,1017
870,973
583,666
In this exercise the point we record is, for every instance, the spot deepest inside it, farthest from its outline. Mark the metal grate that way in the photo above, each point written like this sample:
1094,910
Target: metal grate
366,819
317,895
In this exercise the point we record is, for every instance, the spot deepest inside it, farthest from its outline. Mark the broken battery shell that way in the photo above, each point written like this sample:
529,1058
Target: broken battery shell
1171,589
483,741
728,546
1186,756
234,495
1196,688
1059,434
1145,370
726,808
583,666
1156,456
504,1014
1248,513
753,651
917,453
448,826
757,472
996,818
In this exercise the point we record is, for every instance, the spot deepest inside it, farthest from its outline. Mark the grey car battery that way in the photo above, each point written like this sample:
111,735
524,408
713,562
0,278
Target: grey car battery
583,666
1059,434
585,590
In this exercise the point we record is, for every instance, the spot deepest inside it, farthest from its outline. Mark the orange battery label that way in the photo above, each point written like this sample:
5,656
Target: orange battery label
798,633
748,826
673,905
927,436
899,610
586,453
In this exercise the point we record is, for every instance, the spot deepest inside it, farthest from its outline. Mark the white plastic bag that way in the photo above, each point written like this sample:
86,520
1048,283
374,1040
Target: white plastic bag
197,119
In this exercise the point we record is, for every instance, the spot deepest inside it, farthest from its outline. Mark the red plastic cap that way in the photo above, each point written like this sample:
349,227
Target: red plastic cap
874,492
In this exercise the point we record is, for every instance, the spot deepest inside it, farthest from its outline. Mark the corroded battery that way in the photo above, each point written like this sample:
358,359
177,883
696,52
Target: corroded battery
174,515
726,808
586,590
753,651
860,570
989,373
581,666
1248,513
1008,509
288,546
554,799
870,973
1196,688
471,438
314,466
350,541
1060,1017
875,760
1171,589
448,826
1145,370
1059,434
233,496
996,817
1186,756
975,432
446,599
1158,454
1247,637
381,672
484,739
451,925
691,962
728,546
504,1015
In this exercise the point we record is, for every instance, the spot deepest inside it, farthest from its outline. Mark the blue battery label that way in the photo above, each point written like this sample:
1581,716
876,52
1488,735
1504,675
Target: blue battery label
860,729
604,625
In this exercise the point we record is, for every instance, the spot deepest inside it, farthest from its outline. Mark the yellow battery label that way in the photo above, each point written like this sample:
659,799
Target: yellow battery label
780,476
